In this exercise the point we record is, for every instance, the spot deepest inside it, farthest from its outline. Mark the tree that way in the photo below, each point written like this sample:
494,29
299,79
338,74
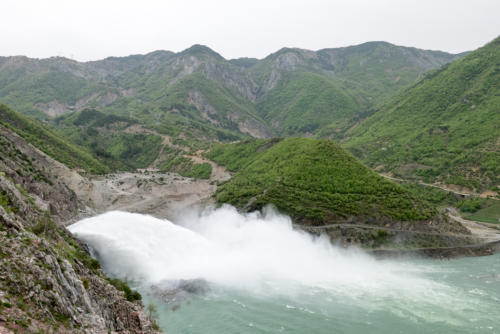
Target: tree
152,311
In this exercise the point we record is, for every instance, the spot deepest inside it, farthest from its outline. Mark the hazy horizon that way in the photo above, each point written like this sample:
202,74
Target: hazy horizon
94,30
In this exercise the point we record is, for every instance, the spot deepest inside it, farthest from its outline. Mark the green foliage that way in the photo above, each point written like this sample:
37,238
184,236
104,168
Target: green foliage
305,102
445,126
130,295
435,196
315,182
244,62
104,137
470,205
187,168
87,260
170,111
23,87
238,155
71,250
46,226
6,202
128,151
489,212
201,171
378,69
381,233
291,92
86,283
92,118
50,143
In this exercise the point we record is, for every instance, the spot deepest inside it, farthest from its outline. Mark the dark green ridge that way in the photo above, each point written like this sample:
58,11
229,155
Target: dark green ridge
445,128
50,143
314,181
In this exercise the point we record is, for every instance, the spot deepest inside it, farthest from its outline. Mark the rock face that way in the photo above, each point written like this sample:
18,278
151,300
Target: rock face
48,281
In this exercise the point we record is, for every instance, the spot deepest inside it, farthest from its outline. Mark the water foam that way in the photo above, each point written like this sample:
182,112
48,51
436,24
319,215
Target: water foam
261,253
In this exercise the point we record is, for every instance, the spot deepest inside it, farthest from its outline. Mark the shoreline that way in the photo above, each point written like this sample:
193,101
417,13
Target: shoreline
443,253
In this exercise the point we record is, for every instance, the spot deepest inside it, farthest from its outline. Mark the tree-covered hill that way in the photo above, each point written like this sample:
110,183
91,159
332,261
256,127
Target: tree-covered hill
314,181
325,189
444,129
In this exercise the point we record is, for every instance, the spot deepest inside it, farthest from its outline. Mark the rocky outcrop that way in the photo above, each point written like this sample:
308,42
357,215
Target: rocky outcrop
48,281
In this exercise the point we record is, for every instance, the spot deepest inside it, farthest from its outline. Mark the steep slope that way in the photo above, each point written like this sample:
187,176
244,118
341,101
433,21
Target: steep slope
55,86
378,68
444,128
320,185
303,102
49,282
197,93
348,83
50,143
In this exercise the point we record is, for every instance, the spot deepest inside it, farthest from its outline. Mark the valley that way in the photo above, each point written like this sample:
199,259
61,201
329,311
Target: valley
316,159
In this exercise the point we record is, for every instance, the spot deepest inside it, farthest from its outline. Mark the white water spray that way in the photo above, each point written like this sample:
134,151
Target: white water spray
258,252
262,255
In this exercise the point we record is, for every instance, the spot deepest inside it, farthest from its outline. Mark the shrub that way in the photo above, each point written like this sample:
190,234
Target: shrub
130,295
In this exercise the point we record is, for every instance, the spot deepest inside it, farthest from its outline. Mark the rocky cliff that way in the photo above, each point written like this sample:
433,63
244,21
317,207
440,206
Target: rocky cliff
48,281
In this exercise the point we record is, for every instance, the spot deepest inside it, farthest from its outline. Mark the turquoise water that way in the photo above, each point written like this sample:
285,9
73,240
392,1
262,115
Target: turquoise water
468,303
222,272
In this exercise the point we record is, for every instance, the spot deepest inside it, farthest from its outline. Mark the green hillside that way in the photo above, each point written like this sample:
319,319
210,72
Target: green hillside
50,143
197,94
314,181
105,136
27,85
192,106
304,102
378,69
444,128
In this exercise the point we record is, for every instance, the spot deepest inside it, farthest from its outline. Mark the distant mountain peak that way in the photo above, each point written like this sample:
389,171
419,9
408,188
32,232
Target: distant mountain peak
287,50
199,50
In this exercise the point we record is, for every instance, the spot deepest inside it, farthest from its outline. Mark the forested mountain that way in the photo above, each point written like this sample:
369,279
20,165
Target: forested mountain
197,93
444,128
440,129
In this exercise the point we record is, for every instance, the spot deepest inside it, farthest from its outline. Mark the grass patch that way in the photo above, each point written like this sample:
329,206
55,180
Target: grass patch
488,214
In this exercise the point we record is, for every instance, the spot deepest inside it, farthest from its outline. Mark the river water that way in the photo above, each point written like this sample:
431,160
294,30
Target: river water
219,271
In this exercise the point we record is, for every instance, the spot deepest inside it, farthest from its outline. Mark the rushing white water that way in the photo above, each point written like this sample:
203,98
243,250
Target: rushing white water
260,252
263,256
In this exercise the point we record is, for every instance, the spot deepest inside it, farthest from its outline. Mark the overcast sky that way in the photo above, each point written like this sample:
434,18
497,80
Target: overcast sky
95,29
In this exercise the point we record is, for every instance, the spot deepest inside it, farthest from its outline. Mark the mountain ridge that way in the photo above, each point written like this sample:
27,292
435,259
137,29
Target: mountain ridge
152,87
443,128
